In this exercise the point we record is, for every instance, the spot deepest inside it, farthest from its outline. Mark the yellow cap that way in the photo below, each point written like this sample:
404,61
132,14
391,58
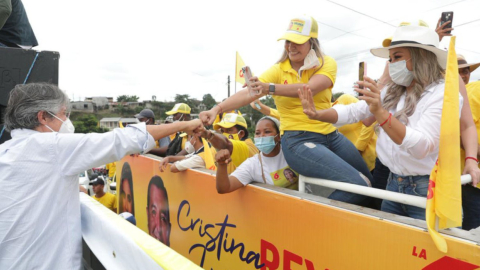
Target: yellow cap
231,119
301,29
180,108
386,42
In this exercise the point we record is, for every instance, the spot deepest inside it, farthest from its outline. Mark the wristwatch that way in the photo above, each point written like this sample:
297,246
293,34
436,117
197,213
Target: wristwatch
271,89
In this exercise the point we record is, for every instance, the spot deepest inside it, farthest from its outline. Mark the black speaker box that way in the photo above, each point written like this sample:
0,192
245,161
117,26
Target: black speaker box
15,65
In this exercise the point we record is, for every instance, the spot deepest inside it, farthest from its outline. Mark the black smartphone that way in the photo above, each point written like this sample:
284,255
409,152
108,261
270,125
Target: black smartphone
447,16
362,71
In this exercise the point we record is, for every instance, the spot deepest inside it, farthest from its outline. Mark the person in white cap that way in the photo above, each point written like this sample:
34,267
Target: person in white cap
311,148
408,112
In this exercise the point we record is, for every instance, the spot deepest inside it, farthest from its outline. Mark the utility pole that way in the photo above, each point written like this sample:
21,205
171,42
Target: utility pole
228,85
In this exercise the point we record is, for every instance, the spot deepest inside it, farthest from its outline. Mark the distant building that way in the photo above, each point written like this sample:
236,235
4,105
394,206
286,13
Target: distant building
83,106
101,101
202,107
114,122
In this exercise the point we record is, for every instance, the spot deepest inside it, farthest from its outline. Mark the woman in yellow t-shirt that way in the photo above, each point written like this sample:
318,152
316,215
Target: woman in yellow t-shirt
311,148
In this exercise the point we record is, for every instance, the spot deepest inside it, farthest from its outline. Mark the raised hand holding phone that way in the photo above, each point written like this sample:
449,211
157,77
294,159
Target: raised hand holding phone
362,72
247,74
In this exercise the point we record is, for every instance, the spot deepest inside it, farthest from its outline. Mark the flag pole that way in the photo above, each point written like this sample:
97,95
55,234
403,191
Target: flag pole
236,71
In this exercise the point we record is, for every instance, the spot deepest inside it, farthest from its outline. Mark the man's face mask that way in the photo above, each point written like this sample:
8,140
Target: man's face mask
66,127
232,136
179,119
189,146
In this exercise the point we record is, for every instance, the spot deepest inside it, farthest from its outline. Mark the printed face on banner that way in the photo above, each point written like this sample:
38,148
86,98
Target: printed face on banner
126,196
284,177
158,213
126,200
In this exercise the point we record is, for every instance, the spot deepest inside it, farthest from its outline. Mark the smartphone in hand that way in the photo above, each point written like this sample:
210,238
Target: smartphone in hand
247,74
362,71
447,16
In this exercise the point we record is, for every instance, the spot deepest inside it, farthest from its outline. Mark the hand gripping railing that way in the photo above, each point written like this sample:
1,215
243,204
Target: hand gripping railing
371,192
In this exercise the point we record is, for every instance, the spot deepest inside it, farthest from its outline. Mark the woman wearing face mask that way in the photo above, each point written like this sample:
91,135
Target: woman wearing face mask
311,148
408,111
269,166
194,159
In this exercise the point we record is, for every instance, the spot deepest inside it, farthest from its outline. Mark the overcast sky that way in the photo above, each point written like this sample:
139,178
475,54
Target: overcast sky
163,48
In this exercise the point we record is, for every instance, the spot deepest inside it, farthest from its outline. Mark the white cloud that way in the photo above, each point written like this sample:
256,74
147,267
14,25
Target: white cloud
165,48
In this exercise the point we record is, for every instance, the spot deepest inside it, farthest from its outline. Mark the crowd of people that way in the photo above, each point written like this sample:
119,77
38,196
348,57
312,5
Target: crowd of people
387,138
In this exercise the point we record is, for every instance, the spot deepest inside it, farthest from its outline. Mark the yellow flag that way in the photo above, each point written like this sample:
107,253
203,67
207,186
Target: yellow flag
238,70
209,154
444,190
120,124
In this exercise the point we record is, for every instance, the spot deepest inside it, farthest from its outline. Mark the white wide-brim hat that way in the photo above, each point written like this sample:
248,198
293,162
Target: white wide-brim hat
414,36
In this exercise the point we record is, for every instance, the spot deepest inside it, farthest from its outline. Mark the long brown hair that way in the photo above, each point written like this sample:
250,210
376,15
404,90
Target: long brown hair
426,71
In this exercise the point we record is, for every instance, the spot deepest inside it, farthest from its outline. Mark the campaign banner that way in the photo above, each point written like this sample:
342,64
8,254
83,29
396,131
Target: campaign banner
257,228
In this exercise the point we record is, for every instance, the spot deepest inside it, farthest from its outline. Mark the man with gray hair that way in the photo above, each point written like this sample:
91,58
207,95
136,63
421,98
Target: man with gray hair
39,167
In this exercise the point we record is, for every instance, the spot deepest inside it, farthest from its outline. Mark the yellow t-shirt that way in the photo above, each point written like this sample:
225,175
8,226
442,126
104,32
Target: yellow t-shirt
274,113
241,151
109,200
363,137
111,167
473,92
290,109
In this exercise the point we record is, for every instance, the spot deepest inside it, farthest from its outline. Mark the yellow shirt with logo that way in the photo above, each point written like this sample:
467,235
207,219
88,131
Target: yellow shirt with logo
363,137
289,108
109,200
242,150
473,92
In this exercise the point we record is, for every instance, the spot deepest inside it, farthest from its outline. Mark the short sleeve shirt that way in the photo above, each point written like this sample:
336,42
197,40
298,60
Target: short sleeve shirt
289,108
108,200
275,169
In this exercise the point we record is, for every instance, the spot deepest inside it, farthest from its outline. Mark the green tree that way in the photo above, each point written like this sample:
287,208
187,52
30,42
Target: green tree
127,98
209,101
88,124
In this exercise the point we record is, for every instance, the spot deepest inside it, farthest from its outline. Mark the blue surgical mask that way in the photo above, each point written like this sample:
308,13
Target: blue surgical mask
400,74
265,144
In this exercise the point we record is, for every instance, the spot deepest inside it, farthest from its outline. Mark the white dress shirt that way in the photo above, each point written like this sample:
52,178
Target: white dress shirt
419,150
39,202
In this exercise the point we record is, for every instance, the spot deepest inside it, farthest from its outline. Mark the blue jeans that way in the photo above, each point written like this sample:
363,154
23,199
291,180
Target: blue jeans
380,178
411,185
471,207
329,156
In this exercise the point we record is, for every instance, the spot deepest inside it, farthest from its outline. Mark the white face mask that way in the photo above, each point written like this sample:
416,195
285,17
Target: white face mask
310,61
189,147
400,74
66,127
179,119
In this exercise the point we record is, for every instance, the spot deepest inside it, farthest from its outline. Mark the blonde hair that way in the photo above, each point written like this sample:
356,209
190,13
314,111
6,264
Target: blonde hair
426,71
315,46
